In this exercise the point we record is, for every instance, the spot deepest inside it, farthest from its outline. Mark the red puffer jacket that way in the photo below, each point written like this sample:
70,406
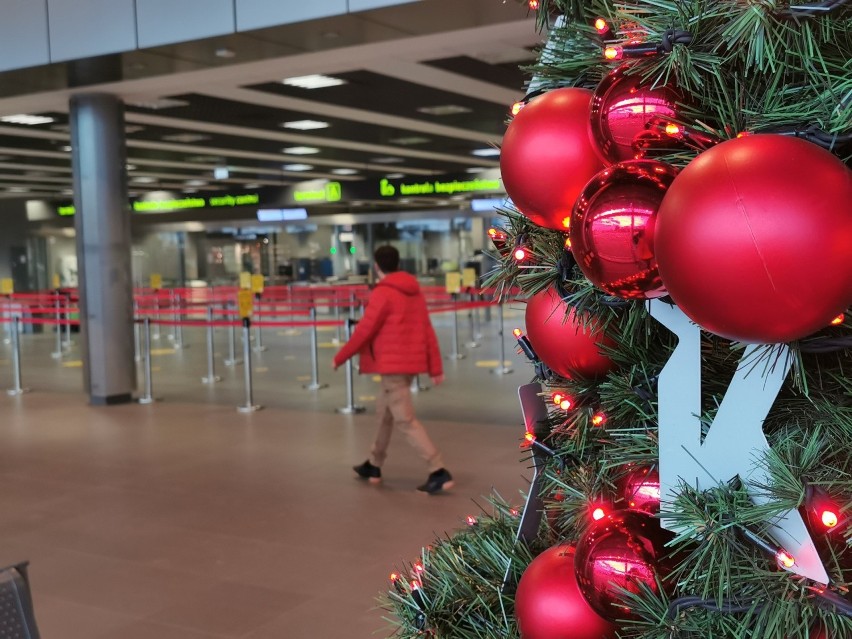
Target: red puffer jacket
395,336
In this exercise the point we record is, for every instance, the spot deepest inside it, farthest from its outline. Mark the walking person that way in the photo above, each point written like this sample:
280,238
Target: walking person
395,339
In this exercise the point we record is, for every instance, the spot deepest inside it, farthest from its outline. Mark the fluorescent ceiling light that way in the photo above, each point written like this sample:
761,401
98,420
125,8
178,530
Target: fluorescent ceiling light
387,160
143,179
487,152
444,109
297,167
474,169
221,173
27,119
305,125
18,189
130,167
395,176
314,81
159,103
186,138
344,171
225,52
65,148
196,183
409,140
252,185
300,150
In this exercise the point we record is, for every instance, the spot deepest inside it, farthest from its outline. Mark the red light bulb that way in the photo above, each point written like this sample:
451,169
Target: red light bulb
829,518
514,512
516,107
517,332
613,53
520,254
470,520
598,419
785,559
598,514
394,576
838,320
419,567
672,129
556,398
566,403
534,4
601,25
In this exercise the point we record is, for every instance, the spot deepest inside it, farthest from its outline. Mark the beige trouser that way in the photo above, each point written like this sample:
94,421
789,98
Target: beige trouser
394,408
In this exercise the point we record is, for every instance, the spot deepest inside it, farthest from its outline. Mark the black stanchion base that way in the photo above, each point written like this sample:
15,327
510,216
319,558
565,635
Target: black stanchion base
313,387
14,392
350,410
251,408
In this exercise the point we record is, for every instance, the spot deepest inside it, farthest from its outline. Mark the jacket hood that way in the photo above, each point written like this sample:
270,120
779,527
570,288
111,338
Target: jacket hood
401,281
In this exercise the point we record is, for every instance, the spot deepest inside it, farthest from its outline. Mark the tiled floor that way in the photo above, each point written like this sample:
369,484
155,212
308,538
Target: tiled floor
187,520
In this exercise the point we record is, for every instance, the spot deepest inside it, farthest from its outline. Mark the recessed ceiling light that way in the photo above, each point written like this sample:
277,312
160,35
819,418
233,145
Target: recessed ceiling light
27,119
143,179
395,176
251,185
65,148
314,81
196,183
305,125
186,138
444,109
221,173
486,152
300,150
18,189
159,103
409,140
225,52
131,167
344,171
297,167
387,160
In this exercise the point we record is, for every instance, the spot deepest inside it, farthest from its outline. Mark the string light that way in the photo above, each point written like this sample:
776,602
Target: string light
829,519
516,107
514,512
838,320
520,254
598,419
418,567
566,404
672,129
601,26
470,520
670,38
785,559
613,53
394,577
598,513
556,398
534,4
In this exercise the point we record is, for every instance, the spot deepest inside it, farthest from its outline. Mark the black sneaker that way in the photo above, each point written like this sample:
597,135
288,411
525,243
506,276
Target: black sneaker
437,481
369,472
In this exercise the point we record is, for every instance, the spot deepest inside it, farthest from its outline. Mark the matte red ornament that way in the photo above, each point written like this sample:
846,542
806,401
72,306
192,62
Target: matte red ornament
612,228
754,239
620,552
549,605
548,156
641,490
622,107
563,343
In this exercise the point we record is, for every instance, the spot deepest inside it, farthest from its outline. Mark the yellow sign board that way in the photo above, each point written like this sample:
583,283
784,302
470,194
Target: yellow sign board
245,302
453,282
7,286
468,277
257,284
245,280
57,283
156,281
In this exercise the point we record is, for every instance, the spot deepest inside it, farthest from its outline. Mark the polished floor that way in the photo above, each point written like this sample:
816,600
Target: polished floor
187,520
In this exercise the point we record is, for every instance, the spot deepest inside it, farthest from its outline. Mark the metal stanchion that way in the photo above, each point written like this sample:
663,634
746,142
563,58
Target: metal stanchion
173,336
339,330
232,360
258,336
473,343
455,354
178,324
67,345
57,354
7,314
16,360
314,385
156,336
148,397
477,321
137,334
249,406
211,377
351,408
501,369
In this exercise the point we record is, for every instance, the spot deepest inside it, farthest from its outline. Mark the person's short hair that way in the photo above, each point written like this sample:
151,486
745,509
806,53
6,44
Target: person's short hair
387,258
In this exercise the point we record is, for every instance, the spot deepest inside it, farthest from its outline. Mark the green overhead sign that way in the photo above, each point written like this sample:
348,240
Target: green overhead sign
181,204
328,192
437,187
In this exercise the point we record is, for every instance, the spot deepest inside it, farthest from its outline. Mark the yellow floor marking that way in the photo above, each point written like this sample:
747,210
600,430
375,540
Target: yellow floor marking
162,351
326,329
327,345
367,398
289,357
290,332
76,363
491,363
377,378
156,369
303,378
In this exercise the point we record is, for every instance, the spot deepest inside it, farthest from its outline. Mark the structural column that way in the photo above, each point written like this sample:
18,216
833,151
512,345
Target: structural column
103,247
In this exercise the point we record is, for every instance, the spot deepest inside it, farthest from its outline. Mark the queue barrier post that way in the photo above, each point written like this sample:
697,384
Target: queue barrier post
57,354
351,408
249,406
17,389
211,377
232,360
474,342
338,331
178,301
156,334
501,369
455,354
147,397
7,323
315,384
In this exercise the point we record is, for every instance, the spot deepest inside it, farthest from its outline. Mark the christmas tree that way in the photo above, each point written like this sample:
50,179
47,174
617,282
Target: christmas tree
681,224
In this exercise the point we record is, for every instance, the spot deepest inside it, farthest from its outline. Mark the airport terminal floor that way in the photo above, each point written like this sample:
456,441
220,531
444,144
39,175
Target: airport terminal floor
184,519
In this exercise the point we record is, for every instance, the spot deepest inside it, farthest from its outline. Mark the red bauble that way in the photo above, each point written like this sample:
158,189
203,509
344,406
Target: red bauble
548,604
754,239
622,109
563,343
641,490
548,156
612,228
621,551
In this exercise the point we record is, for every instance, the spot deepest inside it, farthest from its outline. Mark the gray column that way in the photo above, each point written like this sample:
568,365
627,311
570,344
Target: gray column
103,247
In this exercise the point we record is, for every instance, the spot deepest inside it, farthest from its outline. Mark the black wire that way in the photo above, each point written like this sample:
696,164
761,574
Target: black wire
826,345
708,604
814,10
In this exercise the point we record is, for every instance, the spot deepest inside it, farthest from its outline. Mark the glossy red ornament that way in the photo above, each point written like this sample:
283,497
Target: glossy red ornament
622,107
549,605
612,228
641,490
548,156
620,552
754,239
563,343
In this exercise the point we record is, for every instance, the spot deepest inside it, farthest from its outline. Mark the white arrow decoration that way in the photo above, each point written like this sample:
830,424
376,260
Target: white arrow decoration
735,443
